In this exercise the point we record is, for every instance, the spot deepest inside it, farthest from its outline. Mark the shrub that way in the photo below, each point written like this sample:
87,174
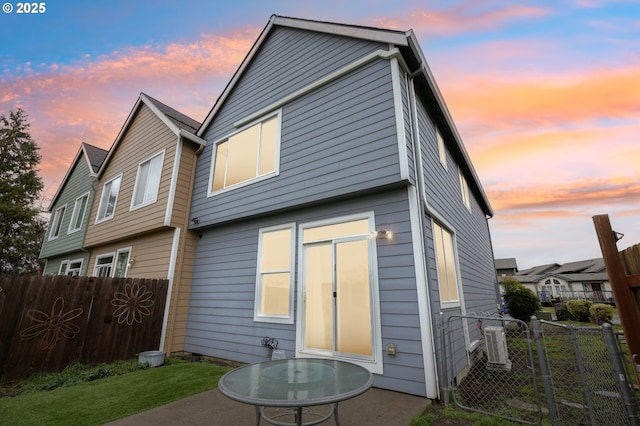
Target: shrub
579,309
521,302
562,313
601,312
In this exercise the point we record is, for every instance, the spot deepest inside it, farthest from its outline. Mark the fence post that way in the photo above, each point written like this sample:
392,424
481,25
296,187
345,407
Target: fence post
618,368
544,372
444,385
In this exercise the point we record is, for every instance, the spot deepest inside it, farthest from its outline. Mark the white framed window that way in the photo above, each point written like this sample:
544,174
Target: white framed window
104,265
274,277
71,267
442,153
56,223
338,302
250,154
444,244
113,264
109,198
464,190
147,184
79,209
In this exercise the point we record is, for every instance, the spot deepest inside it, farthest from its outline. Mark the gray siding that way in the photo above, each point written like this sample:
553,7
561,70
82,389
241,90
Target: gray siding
337,140
78,183
220,321
53,263
474,251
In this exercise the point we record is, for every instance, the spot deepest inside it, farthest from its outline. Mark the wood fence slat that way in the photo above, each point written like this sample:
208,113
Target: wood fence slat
52,321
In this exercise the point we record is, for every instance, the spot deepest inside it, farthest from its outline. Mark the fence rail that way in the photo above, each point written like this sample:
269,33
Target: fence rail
49,322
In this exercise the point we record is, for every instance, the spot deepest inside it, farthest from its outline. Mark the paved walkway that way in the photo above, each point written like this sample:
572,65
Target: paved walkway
376,407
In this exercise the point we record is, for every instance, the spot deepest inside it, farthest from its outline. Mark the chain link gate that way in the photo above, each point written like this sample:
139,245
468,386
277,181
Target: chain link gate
562,374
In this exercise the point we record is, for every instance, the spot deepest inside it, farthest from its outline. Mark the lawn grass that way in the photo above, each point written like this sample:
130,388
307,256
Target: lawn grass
107,399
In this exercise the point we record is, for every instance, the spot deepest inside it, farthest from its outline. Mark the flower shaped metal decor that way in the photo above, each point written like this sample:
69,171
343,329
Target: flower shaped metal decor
52,327
133,304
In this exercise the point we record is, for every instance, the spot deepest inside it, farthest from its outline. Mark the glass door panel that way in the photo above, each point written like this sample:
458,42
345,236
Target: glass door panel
353,298
319,297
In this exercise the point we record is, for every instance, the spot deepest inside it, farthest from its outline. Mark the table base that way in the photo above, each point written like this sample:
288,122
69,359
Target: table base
297,414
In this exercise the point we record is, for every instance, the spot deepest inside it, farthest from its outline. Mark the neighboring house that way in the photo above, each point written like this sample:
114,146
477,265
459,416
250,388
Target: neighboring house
336,208
63,247
585,279
138,222
506,267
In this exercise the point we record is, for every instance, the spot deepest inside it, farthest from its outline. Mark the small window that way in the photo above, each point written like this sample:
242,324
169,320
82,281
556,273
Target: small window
122,263
442,153
108,200
464,190
447,275
56,223
246,155
148,181
79,209
104,266
71,267
274,281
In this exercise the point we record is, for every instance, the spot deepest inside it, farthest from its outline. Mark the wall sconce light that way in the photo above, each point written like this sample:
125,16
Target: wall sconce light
384,234
132,262
617,236
195,220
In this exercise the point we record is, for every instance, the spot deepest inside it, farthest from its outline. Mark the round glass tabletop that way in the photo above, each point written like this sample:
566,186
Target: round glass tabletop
295,382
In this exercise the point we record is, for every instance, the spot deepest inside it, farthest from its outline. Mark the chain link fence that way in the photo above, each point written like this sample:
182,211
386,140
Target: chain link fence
548,373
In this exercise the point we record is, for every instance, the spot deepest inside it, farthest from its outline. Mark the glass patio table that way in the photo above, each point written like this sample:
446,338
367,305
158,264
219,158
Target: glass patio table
296,384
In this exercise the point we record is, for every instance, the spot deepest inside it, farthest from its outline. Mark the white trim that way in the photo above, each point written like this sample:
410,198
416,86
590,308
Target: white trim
68,262
376,364
87,207
427,338
173,186
453,303
399,114
115,203
102,256
276,172
134,206
281,319
58,219
173,260
378,54
442,150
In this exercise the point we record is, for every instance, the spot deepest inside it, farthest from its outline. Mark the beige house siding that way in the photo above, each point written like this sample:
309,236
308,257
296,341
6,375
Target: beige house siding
145,137
184,185
151,252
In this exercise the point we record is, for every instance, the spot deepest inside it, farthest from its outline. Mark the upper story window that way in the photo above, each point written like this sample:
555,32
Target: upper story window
246,155
108,200
464,190
56,223
442,153
79,209
148,181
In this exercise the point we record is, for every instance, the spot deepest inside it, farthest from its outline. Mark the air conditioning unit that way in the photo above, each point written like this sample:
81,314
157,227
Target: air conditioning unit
497,353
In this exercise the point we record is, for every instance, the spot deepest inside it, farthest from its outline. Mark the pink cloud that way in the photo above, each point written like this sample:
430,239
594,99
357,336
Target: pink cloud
89,100
464,18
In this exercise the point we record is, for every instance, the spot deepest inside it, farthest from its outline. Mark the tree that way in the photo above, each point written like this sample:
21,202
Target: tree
21,227
521,302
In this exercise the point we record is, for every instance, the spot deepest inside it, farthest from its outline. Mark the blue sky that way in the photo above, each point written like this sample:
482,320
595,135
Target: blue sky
545,94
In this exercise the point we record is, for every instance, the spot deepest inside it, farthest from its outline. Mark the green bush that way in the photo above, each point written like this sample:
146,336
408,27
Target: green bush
601,312
579,309
562,313
521,302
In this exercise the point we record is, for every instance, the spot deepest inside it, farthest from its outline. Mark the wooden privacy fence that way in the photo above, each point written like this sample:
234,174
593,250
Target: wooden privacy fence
49,322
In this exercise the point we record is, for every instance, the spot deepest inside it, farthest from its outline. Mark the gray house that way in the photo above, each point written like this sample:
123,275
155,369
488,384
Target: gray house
62,247
336,208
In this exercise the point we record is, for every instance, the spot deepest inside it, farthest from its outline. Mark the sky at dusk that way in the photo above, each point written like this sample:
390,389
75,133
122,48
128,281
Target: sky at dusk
545,94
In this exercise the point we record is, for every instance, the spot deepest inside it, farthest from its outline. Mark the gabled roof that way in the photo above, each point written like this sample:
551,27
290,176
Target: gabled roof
177,122
539,270
580,271
94,157
509,263
412,57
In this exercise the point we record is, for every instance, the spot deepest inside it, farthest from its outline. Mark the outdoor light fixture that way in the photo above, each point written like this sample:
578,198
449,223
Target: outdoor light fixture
132,262
384,234
617,236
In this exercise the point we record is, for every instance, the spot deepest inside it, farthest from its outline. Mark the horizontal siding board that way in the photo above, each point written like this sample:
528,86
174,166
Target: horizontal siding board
222,293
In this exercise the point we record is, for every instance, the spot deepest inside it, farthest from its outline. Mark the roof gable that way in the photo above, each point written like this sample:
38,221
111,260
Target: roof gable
94,157
411,54
180,124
